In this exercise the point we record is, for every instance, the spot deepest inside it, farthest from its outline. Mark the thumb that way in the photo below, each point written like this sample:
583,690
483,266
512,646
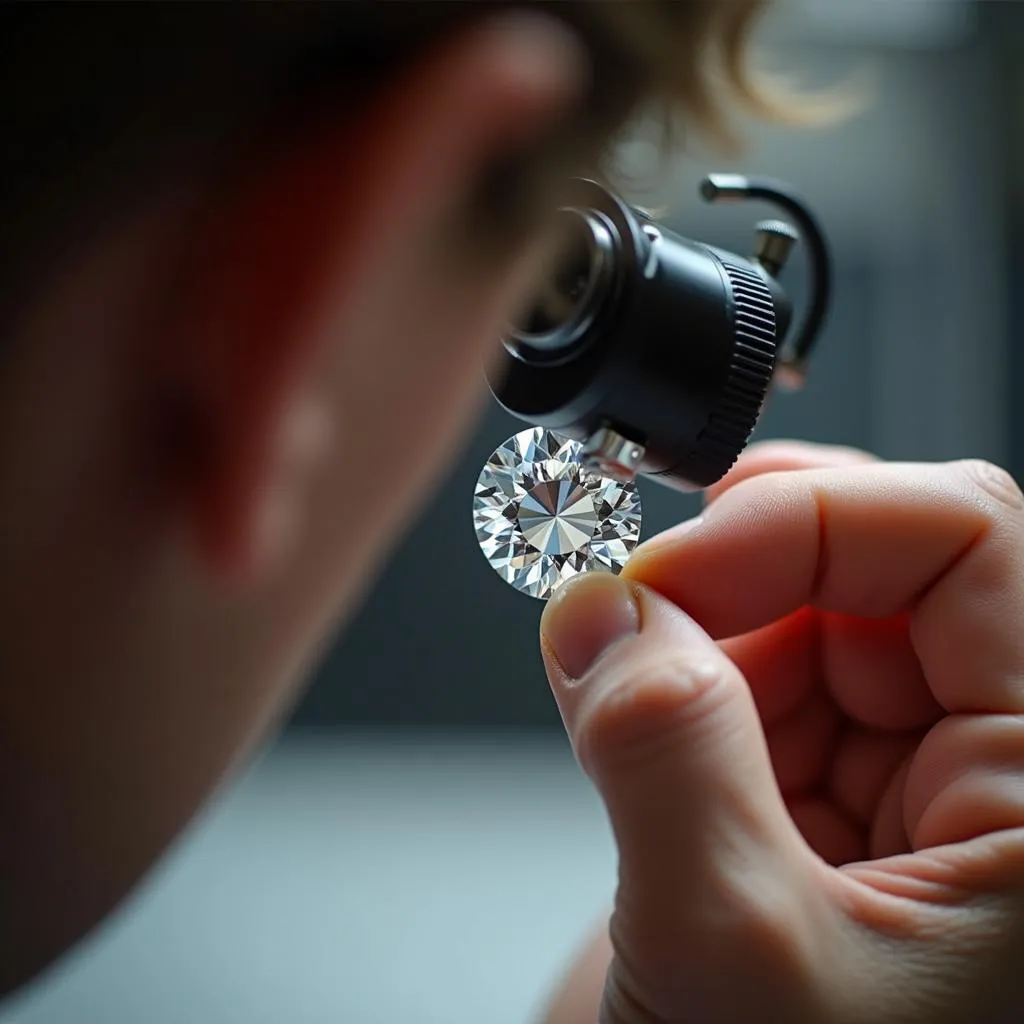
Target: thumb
712,869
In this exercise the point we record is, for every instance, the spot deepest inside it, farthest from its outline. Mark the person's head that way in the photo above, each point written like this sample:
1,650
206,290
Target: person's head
225,224
251,258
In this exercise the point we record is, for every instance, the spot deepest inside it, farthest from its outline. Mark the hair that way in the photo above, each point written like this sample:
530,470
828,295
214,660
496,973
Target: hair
100,102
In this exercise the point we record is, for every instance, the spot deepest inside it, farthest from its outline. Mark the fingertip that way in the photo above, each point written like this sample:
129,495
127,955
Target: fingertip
584,618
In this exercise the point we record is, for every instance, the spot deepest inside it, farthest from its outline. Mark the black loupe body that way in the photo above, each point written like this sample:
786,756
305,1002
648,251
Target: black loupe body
666,346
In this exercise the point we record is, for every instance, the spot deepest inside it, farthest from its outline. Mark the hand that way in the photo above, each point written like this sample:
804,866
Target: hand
805,715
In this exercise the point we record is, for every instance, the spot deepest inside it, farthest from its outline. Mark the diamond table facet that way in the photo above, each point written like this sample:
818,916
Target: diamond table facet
542,516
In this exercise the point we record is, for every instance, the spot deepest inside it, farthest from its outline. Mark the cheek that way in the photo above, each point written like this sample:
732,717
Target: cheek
400,378
406,369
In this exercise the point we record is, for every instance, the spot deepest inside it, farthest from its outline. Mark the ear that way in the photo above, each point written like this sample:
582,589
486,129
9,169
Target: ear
308,229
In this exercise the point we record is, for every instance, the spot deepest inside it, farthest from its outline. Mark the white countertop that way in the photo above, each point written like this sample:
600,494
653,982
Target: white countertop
366,881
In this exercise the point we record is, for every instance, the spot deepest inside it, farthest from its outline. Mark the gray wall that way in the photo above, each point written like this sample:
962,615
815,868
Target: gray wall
1006,22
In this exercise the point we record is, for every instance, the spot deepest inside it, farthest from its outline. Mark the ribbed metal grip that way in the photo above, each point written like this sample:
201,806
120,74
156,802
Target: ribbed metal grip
735,416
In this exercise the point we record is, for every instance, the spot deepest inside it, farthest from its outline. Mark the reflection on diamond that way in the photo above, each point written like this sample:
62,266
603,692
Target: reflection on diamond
542,517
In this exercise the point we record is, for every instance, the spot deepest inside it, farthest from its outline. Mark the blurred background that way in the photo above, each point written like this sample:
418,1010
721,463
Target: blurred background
419,846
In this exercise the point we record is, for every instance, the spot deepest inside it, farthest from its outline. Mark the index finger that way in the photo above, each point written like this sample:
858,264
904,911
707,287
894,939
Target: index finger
942,542
783,456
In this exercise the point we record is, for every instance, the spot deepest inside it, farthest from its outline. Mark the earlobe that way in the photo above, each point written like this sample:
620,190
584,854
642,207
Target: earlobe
317,223
298,451
249,339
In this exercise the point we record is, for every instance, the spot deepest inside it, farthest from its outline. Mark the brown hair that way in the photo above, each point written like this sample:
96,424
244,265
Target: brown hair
98,101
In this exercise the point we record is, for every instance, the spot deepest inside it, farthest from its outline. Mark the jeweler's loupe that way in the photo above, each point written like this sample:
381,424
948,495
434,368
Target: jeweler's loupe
645,354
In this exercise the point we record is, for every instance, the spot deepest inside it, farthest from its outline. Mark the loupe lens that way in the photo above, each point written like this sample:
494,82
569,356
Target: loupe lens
567,298
563,293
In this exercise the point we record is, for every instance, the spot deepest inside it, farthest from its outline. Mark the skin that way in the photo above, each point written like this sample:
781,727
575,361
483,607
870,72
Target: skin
815,774
185,414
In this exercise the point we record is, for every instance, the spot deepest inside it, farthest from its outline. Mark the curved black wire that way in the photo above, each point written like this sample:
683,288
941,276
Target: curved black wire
795,352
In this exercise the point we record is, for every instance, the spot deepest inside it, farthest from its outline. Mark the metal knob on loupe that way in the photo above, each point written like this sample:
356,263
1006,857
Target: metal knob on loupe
655,351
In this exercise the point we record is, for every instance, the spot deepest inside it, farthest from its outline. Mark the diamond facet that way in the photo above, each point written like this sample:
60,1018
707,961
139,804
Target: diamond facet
543,516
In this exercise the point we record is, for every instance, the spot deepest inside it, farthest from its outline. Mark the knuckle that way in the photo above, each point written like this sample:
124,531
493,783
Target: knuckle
763,924
994,482
641,710
753,920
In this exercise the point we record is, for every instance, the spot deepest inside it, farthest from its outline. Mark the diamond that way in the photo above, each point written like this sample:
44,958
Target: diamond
543,516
